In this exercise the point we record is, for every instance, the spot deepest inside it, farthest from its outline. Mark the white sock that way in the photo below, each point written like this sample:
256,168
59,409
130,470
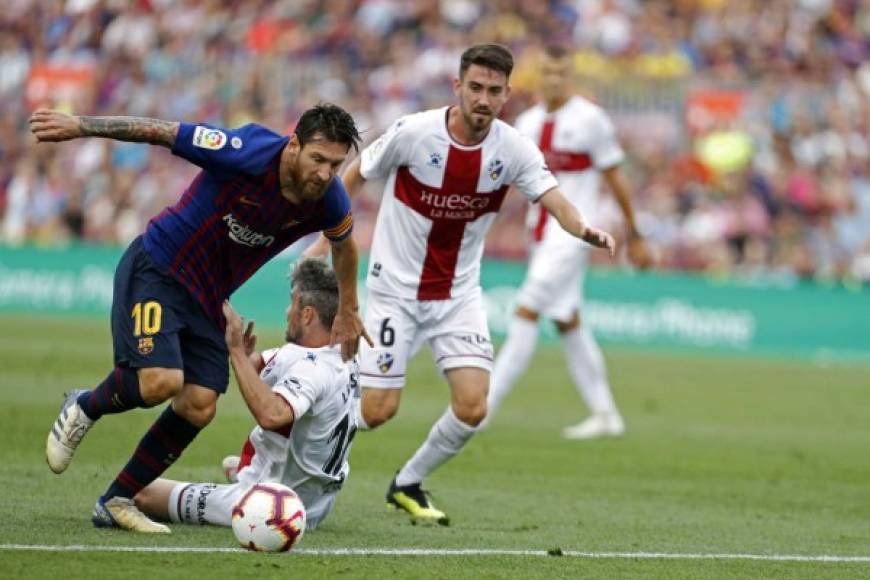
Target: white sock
512,361
447,438
361,424
588,370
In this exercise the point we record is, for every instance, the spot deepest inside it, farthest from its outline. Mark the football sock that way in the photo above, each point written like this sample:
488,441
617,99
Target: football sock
512,361
447,438
119,392
587,368
159,448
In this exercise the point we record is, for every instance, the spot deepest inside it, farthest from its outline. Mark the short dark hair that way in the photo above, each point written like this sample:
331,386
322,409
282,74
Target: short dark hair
317,286
556,51
491,56
329,121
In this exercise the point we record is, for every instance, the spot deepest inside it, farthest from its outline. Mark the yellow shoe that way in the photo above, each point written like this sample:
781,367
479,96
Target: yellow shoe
414,500
121,512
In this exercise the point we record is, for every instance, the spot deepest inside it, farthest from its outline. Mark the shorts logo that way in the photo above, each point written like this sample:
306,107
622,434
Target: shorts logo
206,138
494,169
146,345
385,362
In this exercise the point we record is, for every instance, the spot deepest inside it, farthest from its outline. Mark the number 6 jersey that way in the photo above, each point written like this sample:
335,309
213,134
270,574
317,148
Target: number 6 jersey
310,456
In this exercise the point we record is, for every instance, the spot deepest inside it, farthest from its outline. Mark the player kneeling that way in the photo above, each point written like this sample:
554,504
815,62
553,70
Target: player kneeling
301,396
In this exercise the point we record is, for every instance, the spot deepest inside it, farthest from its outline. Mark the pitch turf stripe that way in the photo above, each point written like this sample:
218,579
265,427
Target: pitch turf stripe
446,552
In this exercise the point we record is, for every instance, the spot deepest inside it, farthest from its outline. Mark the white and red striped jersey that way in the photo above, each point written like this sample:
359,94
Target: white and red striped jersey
439,201
578,140
310,456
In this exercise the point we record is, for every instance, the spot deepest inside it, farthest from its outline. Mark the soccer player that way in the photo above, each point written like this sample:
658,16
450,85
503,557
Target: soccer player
301,396
447,171
257,193
579,143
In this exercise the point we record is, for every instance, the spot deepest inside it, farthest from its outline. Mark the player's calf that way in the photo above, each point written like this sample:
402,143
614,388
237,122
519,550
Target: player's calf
67,432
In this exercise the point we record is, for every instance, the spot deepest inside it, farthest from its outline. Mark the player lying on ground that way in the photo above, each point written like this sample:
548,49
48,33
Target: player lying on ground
579,143
301,396
257,193
447,171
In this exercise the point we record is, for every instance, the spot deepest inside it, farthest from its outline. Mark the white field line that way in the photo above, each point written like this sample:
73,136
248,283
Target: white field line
445,552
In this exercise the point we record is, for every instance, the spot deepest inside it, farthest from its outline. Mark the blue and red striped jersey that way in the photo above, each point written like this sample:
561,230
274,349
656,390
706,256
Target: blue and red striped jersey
232,218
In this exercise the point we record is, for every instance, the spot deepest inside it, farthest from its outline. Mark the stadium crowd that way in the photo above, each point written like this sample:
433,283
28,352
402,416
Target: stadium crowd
747,122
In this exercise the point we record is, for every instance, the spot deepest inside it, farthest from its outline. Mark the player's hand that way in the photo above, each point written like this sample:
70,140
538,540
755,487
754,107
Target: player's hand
249,339
319,249
347,328
639,254
48,125
599,239
233,334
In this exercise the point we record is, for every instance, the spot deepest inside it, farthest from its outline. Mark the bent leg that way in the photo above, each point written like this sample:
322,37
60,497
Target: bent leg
168,437
454,428
190,503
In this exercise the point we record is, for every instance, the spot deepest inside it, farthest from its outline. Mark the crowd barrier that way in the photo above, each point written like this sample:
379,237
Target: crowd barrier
650,310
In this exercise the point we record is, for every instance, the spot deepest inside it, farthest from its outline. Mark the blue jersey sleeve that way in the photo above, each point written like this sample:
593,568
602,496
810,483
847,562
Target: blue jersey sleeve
224,152
337,217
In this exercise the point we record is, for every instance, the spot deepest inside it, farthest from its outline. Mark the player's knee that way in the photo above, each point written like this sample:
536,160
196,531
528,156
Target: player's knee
198,414
471,414
157,384
379,405
567,326
197,405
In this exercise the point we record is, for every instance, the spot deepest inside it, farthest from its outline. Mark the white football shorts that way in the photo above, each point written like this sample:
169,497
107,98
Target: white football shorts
212,503
455,329
553,285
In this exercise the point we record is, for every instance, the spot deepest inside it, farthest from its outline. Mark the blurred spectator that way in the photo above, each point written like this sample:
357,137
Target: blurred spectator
747,122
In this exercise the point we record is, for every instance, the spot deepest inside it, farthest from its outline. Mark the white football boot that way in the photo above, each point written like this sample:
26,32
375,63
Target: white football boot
230,465
121,512
66,433
595,426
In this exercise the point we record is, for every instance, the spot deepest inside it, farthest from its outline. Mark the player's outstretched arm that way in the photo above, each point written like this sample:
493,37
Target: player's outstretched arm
571,220
268,408
52,126
638,252
347,328
353,182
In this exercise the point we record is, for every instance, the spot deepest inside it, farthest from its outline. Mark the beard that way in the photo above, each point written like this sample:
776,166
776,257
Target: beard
312,189
309,189
292,334
478,120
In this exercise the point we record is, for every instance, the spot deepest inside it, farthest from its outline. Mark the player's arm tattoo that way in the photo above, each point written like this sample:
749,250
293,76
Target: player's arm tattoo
137,129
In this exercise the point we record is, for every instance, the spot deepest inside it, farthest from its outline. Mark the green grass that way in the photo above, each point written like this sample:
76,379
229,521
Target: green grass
721,456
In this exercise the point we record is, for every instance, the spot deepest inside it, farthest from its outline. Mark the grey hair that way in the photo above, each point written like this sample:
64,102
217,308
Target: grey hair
317,286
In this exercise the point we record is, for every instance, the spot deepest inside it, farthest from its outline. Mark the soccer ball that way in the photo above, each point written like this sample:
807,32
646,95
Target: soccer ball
269,517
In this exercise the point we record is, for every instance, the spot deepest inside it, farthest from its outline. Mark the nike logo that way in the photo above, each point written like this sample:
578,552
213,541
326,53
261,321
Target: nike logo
290,224
248,201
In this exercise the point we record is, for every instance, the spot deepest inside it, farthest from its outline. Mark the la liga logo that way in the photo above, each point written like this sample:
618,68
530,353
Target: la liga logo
207,138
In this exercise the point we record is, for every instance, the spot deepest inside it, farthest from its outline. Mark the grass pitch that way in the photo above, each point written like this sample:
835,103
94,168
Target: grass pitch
722,456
